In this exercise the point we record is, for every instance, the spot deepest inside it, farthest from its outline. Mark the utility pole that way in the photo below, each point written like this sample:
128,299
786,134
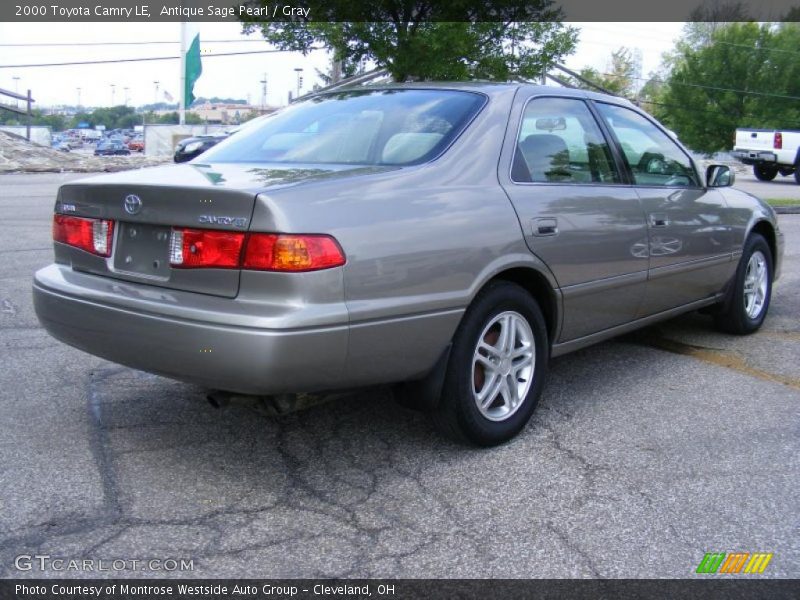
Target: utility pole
155,95
182,91
336,70
126,95
78,107
263,83
28,118
299,71
113,92
16,90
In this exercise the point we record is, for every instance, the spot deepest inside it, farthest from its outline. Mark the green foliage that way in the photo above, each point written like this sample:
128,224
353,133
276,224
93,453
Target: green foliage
742,75
617,79
115,117
38,117
172,118
414,40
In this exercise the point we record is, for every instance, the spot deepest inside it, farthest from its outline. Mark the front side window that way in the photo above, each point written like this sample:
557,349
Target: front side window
377,127
560,142
653,157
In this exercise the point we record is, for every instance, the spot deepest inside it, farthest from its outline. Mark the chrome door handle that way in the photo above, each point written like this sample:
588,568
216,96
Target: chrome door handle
546,226
659,220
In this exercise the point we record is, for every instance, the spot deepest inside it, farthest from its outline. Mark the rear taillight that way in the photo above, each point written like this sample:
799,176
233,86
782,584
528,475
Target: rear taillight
777,143
91,235
205,248
272,252
197,248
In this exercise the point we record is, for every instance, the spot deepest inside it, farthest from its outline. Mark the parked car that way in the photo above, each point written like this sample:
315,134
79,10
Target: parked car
189,148
110,149
59,143
447,238
769,151
136,144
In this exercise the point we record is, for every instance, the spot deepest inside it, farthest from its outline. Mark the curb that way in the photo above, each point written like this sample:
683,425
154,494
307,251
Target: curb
787,210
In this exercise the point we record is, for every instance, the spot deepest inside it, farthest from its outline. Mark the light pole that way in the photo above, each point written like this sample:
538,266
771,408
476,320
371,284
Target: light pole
78,107
16,90
263,83
155,95
113,92
299,70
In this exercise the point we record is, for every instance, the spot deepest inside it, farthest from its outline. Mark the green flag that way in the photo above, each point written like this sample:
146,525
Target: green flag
194,69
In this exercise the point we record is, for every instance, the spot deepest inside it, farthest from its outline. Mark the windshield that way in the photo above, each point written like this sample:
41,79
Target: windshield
378,127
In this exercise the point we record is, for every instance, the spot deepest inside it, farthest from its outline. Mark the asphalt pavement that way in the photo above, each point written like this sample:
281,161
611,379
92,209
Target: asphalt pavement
645,453
780,187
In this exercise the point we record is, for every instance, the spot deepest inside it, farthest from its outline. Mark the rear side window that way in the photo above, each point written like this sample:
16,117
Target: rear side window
560,142
653,157
378,127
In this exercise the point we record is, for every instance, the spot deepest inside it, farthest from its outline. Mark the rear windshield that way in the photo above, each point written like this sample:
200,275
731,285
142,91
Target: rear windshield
379,127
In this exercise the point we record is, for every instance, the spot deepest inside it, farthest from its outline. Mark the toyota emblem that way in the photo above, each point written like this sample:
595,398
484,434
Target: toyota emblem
133,204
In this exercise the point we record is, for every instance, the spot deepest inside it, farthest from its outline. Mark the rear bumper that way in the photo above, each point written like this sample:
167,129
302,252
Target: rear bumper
212,352
752,157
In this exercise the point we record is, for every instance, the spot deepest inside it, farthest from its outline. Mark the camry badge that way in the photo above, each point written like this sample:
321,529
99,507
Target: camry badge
133,204
222,220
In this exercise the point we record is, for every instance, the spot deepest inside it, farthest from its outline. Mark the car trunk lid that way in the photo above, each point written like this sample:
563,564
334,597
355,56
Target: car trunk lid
145,206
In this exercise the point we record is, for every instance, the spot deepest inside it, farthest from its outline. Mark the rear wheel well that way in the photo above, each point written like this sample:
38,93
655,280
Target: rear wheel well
765,229
537,286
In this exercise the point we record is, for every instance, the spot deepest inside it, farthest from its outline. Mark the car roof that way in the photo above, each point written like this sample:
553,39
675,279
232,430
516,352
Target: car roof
490,88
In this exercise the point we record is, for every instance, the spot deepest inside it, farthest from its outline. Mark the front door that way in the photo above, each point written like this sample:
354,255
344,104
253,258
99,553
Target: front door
689,242
576,213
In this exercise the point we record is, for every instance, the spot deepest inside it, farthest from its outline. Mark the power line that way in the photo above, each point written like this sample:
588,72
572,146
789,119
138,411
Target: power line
48,44
757,47
128,60
705,110
707,87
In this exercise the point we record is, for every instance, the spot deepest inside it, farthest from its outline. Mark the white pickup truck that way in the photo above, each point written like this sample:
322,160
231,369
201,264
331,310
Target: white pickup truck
769,151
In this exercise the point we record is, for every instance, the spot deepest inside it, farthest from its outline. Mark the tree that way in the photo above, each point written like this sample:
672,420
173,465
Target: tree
746,75
420,40
113,117
618,78
711,16
38,117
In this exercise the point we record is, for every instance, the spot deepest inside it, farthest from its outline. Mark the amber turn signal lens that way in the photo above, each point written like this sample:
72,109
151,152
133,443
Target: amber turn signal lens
292,253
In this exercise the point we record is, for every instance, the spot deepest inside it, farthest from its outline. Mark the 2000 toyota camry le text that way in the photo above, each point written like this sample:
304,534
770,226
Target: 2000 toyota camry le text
448,237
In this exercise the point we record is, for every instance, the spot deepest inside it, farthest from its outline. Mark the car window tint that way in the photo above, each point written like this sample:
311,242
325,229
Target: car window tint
653,156
377,127
560,142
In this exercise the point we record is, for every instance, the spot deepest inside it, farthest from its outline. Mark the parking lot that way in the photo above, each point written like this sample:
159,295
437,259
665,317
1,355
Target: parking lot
645,453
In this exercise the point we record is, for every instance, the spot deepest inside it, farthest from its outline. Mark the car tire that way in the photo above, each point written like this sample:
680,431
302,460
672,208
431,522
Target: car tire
748,298
765,172
500,343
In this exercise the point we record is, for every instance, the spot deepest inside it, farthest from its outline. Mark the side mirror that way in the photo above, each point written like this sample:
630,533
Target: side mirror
719,176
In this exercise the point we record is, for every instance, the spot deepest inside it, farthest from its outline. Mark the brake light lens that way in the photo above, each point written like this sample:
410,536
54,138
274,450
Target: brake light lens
91,235
197,248
293,253
205,248
778,141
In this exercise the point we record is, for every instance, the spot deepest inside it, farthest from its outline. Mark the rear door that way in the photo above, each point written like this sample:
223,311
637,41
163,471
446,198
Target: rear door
689,239
576,212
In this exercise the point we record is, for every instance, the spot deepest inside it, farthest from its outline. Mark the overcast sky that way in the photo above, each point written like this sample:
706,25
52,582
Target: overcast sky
235,76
